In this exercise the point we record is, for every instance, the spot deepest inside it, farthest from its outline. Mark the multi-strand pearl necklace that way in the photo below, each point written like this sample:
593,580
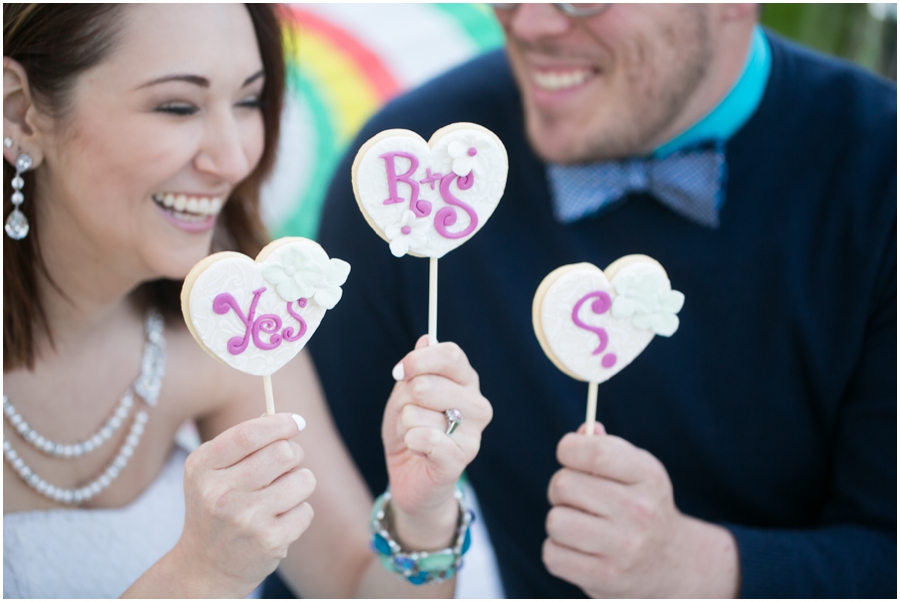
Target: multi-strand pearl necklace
147,385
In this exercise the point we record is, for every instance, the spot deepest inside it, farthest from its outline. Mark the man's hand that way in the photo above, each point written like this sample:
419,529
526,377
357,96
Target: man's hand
614,530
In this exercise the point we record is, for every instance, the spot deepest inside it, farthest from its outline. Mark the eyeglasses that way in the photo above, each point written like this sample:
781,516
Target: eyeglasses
572,10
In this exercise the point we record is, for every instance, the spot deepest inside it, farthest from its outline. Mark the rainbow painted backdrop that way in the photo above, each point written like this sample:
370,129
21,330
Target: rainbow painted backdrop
344,61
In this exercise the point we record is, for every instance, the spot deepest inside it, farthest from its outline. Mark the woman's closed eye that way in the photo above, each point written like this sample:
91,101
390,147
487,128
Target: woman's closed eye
177,108
253,102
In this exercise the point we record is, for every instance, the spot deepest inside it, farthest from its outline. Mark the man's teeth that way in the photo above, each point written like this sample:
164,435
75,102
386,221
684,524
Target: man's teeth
202,206
556,80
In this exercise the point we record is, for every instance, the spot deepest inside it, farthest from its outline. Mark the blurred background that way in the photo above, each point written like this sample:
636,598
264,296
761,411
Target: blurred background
346,60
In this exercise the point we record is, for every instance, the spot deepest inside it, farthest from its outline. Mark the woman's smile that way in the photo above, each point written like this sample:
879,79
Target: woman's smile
189,212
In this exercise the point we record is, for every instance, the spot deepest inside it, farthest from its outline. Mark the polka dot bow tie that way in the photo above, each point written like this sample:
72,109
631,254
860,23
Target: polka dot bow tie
689,181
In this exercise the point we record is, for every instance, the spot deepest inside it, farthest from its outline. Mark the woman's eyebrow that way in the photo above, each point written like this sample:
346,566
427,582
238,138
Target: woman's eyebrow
253,78
197,80
191,79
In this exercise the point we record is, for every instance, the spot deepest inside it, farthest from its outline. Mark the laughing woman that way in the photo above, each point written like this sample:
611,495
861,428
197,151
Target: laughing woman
111,112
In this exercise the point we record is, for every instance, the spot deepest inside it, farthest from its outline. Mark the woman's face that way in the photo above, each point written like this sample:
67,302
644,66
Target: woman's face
157,136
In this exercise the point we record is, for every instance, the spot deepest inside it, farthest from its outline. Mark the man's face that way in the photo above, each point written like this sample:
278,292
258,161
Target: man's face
609,85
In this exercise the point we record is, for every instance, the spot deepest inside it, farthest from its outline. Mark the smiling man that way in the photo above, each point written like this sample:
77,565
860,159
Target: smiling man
754,452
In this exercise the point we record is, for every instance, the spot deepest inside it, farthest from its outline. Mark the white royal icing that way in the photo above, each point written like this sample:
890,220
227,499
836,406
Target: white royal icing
642,304
409,231
424,231
293,271
644,295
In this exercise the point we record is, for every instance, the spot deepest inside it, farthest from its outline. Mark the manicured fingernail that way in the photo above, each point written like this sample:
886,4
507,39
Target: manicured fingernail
301,423
398,373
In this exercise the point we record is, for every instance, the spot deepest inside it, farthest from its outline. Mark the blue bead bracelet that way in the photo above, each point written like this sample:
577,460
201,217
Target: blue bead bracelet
419,568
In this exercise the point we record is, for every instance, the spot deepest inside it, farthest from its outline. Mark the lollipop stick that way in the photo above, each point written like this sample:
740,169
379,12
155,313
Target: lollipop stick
591,408
432,301
270,399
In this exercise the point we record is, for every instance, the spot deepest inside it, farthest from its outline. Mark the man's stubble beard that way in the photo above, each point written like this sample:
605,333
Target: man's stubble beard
658,96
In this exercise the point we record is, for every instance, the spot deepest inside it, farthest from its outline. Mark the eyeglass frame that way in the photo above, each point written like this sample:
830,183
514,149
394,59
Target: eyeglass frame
567,8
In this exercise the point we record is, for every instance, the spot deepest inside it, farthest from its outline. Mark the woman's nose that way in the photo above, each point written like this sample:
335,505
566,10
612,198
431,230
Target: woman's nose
225,151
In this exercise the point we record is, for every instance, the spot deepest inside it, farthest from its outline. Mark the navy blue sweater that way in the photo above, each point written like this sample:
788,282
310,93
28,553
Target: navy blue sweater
773,407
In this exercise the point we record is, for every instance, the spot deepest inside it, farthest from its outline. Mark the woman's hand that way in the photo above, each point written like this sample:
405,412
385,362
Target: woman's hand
244,503
424,463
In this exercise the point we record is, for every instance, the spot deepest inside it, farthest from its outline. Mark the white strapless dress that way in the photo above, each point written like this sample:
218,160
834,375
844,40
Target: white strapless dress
78,553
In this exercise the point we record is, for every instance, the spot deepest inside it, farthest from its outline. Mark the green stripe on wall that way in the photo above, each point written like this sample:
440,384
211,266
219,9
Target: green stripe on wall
478,22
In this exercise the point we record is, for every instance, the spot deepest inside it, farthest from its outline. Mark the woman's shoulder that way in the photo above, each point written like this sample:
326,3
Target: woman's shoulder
197,383
199,387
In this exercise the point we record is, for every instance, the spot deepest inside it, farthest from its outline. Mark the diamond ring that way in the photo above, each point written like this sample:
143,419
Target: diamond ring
454,417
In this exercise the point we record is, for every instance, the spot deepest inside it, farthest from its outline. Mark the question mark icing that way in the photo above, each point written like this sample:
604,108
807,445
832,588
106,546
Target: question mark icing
602,303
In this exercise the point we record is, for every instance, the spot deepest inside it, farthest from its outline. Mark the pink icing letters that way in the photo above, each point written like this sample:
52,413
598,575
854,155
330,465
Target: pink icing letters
420,207
288,333
269,324
602,303
447,216
266,323
431,178
225,301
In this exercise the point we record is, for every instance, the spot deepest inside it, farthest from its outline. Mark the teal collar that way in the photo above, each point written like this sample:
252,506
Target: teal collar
738,105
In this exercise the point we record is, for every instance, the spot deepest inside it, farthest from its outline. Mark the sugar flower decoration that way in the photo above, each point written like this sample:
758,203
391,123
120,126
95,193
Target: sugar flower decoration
463,156
408,232
302,274
645,299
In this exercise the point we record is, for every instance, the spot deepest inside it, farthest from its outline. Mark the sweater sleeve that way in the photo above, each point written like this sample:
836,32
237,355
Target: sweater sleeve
853,553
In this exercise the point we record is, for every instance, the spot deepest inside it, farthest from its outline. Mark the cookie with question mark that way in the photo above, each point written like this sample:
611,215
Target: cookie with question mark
592,323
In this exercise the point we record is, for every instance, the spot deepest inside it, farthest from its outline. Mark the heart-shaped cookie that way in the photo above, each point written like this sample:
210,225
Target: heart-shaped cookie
427,198
592,323
257,315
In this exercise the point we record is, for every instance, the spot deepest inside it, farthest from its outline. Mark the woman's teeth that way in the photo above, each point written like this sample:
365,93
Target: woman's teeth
190,206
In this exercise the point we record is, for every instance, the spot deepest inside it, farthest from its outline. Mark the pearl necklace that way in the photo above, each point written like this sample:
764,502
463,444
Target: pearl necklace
58,450
147,385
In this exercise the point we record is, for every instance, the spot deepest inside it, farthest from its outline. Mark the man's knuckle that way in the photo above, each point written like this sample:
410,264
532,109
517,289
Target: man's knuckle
599,458
561,481
454,353
643,509
553,522
555,489
630,545
565,449
550,558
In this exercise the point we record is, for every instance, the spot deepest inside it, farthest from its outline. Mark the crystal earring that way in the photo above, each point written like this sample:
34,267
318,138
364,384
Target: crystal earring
7,142
16,224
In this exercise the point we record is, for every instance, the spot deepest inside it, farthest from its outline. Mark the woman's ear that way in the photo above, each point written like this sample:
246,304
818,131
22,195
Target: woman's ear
19,115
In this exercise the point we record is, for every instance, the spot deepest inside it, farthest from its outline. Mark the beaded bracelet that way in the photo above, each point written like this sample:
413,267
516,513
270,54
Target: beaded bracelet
419,567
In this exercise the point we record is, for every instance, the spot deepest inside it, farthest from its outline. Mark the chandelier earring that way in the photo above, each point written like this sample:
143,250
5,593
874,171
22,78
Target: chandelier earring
17,224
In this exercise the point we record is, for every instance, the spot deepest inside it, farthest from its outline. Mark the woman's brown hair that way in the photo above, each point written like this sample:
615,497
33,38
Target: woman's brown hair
55,43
